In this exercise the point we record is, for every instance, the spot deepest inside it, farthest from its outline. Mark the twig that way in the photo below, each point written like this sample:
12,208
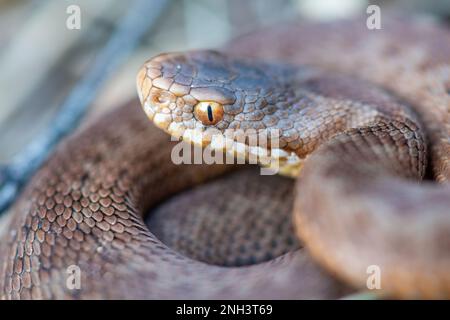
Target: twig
141,16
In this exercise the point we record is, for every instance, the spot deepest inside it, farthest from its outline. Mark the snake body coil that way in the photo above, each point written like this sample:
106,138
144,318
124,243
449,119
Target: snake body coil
363,111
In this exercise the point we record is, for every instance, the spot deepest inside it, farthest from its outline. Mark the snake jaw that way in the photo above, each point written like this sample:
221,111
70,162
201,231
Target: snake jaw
162,120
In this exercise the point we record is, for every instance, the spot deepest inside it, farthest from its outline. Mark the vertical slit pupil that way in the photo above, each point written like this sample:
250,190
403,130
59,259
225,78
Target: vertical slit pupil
210,115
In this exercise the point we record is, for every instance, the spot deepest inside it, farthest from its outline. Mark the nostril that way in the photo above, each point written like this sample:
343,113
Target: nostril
164,99
161,98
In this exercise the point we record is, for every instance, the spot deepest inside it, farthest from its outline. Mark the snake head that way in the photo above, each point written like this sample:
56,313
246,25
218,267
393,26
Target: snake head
187,91
199,94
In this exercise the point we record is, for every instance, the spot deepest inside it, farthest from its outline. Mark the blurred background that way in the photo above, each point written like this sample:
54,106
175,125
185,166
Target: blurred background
45,56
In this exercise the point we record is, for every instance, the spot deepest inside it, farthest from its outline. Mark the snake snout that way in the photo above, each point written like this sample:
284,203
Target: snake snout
172,86
153,86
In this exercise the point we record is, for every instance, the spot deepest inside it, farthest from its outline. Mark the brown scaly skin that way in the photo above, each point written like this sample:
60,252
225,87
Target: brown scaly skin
387,221
86,207
358,202
210,223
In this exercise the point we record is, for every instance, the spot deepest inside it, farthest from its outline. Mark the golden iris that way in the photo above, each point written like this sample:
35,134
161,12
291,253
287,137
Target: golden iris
208,112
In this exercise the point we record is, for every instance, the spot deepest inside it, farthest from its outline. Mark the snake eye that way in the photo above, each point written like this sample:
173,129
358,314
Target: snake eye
208,112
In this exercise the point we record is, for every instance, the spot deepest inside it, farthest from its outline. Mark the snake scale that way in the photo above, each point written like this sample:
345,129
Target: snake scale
365,113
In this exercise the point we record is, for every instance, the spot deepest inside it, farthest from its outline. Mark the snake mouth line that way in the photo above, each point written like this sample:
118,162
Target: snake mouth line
275,159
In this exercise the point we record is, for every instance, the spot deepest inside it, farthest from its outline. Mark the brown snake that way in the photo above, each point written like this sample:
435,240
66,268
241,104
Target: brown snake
359,200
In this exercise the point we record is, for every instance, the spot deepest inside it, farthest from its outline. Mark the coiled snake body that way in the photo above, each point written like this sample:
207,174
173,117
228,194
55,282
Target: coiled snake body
363,111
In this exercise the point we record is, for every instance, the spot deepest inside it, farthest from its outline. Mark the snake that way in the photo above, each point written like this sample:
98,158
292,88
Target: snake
360,117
